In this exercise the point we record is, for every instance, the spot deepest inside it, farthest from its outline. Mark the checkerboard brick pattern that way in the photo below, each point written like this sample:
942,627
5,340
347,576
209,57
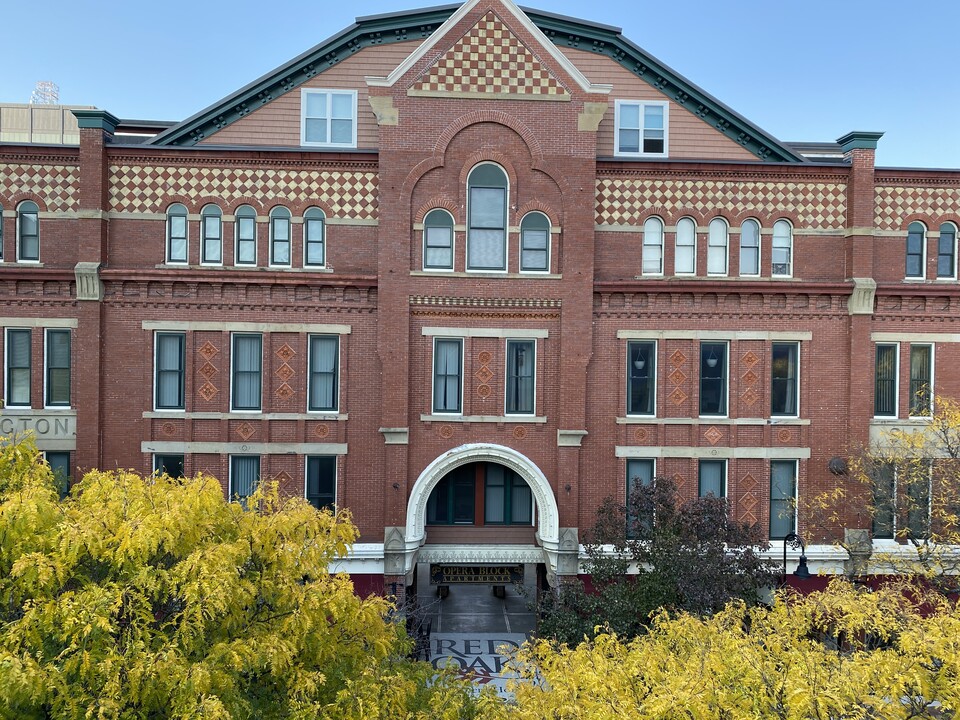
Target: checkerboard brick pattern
490,60
56,184
147,189
895,203
624,201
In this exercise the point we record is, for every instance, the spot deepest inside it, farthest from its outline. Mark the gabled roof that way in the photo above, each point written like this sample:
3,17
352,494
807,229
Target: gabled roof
421,24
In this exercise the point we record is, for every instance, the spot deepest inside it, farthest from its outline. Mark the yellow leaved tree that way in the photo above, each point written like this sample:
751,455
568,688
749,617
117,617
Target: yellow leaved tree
152,597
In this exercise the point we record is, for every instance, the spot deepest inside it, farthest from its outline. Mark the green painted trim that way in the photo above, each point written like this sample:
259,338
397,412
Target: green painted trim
859,140
97,119
400,27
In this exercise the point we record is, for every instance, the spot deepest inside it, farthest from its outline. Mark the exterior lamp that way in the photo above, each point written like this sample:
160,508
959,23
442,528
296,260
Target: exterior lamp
795,541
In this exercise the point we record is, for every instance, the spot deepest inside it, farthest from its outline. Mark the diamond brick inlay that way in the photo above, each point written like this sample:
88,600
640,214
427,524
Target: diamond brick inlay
246,430
484,374
894,203
282,477
207,391
750,376
679,481
750,358
748,501
713,436
677,358
748,482
208,350
285,352
208,371
750,396
285,372
285,392
677,376
56,184
489,61
678,396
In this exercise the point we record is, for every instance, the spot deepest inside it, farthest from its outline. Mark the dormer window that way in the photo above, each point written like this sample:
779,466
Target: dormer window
641,129
328,118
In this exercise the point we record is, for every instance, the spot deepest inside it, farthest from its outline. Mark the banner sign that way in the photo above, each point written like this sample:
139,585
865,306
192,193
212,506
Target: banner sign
441,574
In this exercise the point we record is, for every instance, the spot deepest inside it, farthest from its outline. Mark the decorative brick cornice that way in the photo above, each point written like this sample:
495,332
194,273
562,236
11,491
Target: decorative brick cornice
468,302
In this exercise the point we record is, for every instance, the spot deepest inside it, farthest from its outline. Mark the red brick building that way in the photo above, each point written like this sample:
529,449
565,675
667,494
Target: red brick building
465,271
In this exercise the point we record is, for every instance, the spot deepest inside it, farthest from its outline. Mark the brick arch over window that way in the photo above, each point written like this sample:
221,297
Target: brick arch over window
434,203
491,116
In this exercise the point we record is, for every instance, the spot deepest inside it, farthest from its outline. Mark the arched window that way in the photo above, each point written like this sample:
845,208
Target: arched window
717,247
176,234
487,218
280,236
438,240
245,229
781,250
685,258
314,240
750,248
947,251
916,244
211,232
535,243
28,232
653,246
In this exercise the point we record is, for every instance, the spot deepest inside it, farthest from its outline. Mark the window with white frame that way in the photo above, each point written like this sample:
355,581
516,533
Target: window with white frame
246,371
685,256
784,373
244,477
947,251
717,240
713,378
781,249
28,232
447,375
521,377
921,380
321,484
324,386
328,118
885,380
211,235
916,250
901,503
57,372
783,498
438,240
750,248
18,356
177,233
653,246
487,218
535,243
314,241
280,237
641,129
170,361
641,377
245,229
712,478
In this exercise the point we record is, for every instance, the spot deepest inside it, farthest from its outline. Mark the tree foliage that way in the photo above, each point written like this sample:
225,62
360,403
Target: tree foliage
156,598
654,553
844,653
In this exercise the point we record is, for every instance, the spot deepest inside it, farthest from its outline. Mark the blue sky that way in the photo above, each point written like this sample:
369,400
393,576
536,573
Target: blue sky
800,69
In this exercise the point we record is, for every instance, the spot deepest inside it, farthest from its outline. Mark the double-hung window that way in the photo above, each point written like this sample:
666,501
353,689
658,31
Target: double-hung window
57,380
916,245
947,251
314,244
28,232
245,228
438,240
535,243
447,375
884,506
280,237
781,250
18,356
244,476
641,377
324,391
507,497
247,364
685,256
59,463
750,248
717,239
211,231
653,246
521,377
168,464
170,364
885,381
783,498
487,218
784,371
713,378
921,380
712,478
321,483
328,118
639,474
176,234
641,129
